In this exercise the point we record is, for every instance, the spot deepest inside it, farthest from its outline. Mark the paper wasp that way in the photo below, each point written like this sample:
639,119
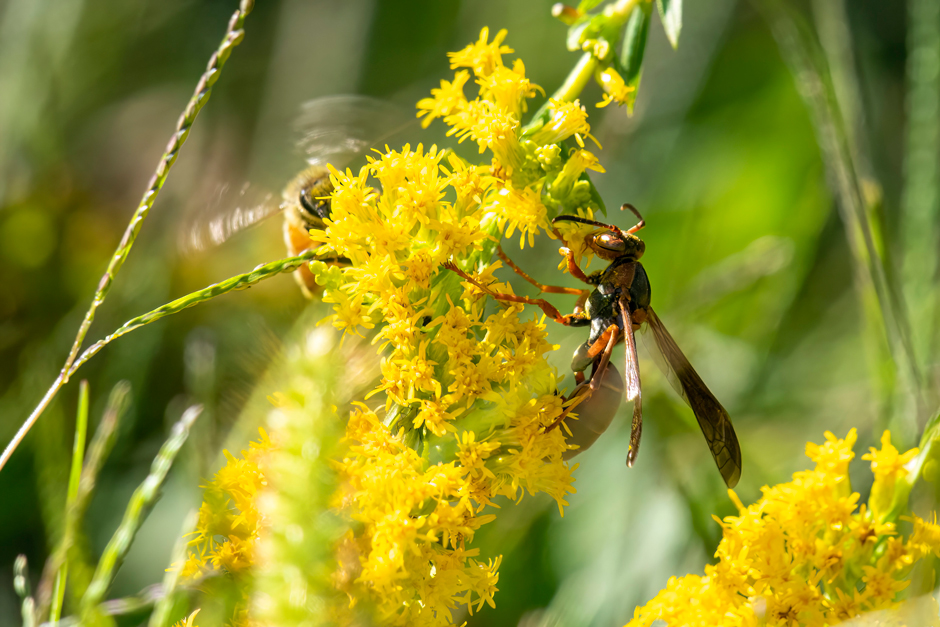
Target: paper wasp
617,306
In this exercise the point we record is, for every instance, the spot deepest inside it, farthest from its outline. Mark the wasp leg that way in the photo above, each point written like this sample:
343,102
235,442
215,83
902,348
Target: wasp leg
607,341
544,305
574,269
632,376
551,289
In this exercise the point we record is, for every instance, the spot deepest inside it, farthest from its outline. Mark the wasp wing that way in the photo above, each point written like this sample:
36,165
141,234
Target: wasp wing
632,375
711,416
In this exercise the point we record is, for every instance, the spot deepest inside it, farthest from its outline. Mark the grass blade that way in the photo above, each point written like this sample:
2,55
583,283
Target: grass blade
98,452
164,606
920,200
78,455
21,585
141,501
237,282
233,36
885,315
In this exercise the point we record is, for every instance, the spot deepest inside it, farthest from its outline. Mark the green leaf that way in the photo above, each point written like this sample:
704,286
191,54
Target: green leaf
634,46
670,11
634,42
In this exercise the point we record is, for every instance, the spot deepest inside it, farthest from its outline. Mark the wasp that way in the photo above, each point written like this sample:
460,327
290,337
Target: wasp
617,307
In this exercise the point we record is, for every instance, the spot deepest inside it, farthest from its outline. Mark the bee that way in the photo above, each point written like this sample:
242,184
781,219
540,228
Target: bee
306,204
333,130
617,307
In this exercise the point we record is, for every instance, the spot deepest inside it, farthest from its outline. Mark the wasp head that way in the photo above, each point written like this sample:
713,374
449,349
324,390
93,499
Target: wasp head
612,243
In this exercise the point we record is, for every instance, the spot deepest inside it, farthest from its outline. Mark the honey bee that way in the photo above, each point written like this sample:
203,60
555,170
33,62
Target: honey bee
334,130
306,205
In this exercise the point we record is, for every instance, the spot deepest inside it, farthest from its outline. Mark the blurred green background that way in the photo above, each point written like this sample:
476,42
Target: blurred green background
747,253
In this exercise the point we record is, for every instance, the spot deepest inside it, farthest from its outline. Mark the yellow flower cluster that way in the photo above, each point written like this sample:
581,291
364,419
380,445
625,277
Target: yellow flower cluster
805,554
229,522
467,394
534,176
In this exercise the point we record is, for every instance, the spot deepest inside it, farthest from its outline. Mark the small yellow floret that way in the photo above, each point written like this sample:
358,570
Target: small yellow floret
483,57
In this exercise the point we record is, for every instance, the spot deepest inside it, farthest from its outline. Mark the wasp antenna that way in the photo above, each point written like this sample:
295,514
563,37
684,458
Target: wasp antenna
609,227
581,220
639,225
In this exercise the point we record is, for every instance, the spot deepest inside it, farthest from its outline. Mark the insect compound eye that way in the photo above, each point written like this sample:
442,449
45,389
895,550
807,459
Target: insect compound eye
315,207
610,241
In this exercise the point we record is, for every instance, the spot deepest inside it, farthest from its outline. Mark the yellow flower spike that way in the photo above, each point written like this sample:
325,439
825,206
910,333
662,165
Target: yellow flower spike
416,513
483,57
888,466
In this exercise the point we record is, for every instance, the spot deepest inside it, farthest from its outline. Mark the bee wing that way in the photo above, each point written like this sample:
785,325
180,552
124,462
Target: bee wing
334,129
337,129
228,212
711,416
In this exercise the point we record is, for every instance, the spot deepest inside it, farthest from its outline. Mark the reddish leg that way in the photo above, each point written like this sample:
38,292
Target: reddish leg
607,342
543,304
573,268
550,289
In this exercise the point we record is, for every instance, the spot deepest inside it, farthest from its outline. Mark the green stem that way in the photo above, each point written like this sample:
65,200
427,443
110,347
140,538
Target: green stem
233,36
578,78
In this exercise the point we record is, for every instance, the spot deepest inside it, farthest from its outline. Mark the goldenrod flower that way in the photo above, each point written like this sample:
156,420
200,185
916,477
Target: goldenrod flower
888,467
445,100
804,554
615,89
189,621
567,119
458,419
229,522
484,57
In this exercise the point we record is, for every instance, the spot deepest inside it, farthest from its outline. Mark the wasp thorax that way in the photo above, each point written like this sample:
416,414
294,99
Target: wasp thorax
610,245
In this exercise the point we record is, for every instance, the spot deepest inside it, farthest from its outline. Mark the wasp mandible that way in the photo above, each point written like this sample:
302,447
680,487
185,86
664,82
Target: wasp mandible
616,307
